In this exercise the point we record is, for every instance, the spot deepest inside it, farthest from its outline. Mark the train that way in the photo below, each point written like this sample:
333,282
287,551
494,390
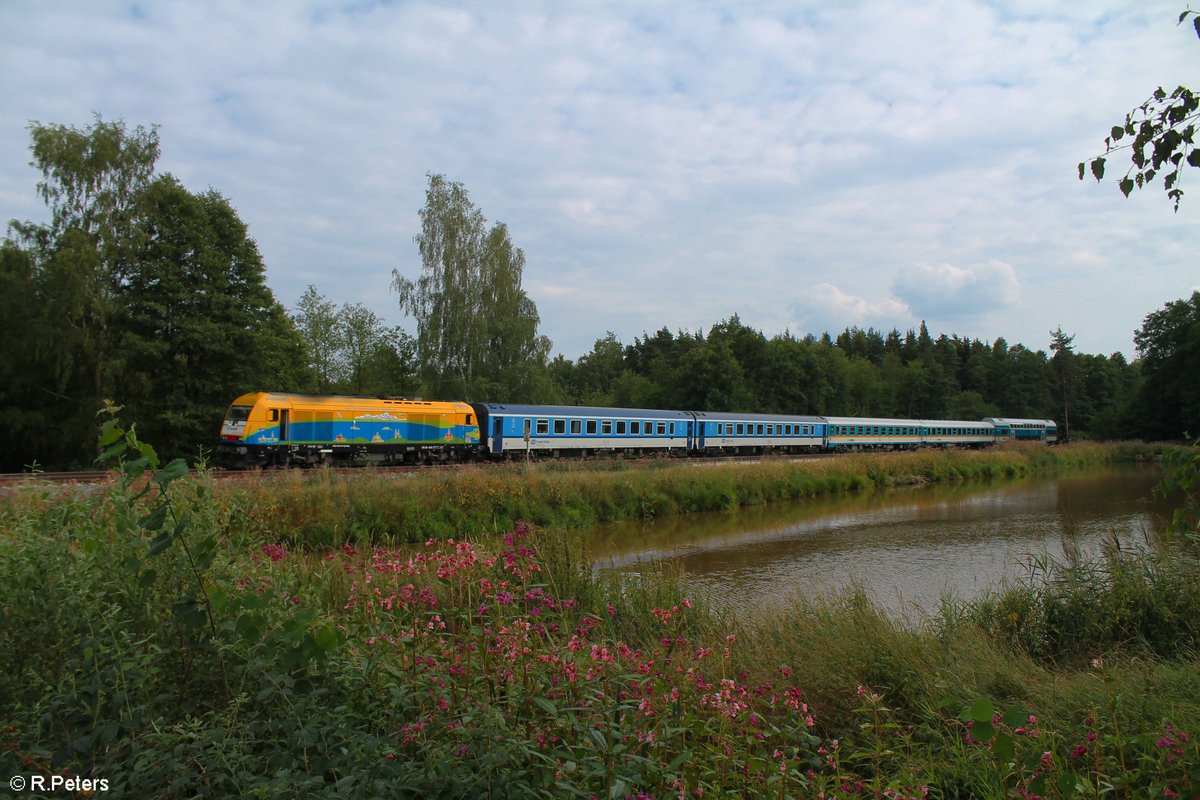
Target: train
264,429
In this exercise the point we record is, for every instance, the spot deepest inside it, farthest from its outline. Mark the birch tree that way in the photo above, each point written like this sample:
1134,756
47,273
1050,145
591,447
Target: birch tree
476,328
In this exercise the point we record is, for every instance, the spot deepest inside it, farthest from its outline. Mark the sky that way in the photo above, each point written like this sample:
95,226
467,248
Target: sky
808,166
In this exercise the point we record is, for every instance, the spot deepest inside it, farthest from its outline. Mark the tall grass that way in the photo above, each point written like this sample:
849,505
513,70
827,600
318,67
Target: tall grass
323,507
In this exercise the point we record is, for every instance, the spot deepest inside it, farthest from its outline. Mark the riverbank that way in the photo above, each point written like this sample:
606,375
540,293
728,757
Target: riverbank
156,641
326,508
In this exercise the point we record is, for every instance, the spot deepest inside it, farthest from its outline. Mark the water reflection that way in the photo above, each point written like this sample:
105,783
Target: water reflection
905,547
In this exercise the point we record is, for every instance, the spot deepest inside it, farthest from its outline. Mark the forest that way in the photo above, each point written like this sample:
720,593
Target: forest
143,292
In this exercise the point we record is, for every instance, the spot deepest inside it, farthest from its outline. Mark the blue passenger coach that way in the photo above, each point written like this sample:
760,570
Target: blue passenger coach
729,431
509,429
1043,430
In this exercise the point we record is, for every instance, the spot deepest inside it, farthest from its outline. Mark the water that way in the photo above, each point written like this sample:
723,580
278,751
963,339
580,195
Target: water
905,547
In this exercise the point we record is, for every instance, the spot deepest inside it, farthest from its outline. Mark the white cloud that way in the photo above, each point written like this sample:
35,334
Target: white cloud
944,291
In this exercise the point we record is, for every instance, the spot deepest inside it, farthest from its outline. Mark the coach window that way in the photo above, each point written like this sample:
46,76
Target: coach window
576,426
606,427
621,426
543,427
635,427
560,426
591,426
662,428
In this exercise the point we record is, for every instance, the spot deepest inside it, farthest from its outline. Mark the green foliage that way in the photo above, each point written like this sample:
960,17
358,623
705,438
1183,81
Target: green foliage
137,290
1183,478
1168,342
351,351
199,324
862,372
1160,136
476,328
157,634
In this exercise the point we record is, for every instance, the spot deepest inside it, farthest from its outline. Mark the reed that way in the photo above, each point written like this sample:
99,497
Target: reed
325,508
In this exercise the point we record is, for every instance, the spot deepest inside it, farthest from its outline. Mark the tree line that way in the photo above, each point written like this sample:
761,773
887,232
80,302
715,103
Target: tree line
144,292
859,373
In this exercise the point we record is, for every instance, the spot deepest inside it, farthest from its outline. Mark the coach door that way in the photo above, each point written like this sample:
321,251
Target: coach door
497,435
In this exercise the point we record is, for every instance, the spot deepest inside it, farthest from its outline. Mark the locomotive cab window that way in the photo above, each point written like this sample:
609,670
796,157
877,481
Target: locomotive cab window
274,415
238,414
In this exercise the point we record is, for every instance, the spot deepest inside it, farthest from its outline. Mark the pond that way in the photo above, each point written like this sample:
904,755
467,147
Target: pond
905,547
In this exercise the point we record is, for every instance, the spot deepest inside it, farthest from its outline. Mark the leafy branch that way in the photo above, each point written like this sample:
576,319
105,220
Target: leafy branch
1160,136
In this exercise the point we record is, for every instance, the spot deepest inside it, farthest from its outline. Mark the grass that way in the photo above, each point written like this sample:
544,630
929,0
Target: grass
325,508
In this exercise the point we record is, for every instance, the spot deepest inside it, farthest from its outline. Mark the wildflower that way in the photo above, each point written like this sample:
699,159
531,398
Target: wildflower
1079,751
274,551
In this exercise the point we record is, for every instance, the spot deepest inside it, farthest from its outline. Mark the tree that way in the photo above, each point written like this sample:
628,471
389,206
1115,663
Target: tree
476,327
1161,133
199,325
1063,364
1169,345
360,334
317,321
91,180
63,282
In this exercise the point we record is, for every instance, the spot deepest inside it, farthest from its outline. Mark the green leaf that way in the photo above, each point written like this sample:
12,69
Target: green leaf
1193,158
176,469
1117,133
160,544
982,731
154,520
109,433
1082,168
981,710
546,705
1098,168
1016,716
1126,186
1003,748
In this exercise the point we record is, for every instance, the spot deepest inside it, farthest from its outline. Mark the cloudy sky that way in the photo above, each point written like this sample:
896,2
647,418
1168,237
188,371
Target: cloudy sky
805,165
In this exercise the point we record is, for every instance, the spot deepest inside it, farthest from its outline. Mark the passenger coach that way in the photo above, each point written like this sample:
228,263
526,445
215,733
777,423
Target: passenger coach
554,430
905,434
1043,430
719,431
